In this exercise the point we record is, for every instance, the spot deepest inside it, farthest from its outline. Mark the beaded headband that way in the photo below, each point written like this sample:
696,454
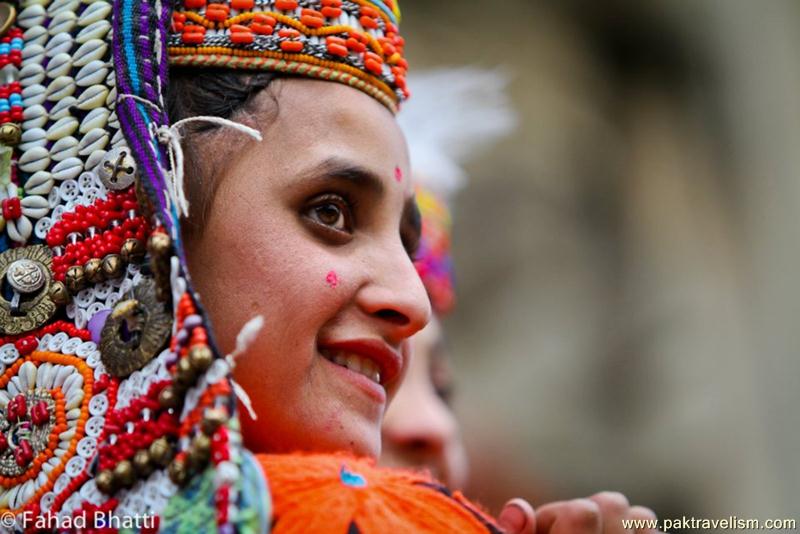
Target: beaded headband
355,42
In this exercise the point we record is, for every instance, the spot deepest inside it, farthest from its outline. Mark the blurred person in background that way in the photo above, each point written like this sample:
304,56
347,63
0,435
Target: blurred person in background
454,112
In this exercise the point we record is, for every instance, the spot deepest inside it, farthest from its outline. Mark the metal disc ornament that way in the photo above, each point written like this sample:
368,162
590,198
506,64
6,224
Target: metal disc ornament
135,331
26,279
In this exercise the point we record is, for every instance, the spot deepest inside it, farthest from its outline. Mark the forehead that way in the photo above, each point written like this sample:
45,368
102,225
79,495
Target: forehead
324,118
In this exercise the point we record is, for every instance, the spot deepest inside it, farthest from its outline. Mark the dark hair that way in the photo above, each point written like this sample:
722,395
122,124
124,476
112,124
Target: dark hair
212,92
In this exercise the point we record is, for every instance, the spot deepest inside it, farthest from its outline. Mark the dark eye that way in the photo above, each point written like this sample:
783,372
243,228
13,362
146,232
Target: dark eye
332,212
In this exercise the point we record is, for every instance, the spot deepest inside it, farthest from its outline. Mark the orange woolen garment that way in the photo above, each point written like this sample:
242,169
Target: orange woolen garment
340,494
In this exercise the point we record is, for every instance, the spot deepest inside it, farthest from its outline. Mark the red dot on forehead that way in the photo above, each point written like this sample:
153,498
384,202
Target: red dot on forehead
398,174
332,279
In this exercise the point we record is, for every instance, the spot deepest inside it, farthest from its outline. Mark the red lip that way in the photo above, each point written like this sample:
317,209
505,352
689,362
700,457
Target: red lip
389,360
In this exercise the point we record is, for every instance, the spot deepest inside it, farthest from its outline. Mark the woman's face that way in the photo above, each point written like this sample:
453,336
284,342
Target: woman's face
420,430
311,228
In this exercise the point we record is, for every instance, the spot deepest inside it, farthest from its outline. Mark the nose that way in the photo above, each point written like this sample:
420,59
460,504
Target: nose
420,430
395,296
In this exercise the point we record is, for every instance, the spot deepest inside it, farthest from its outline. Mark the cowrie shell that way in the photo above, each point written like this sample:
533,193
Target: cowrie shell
111,100
92,73
59,65
36,35
33,53
62,108
30,74
35,206
59,6
96,11
59,88
95,30
32,138
32,15
35,159
63,21
97,118
94,140
92,97
59,44
66,147
34,117
67,169
33,95
89,51
62,128
113,121
94,159
40,183
118,138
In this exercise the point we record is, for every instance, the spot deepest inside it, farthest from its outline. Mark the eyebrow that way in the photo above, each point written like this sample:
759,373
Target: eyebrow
338,168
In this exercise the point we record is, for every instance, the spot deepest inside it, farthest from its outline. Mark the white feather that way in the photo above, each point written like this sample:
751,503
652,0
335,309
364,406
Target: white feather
453,114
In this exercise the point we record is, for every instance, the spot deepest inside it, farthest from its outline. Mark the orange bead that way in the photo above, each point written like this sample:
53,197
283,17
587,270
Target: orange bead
194,4
366,22
192,38
332,3
310,13
331,12
262,18
242,37
337,50
369,11
292,46
355,45
217,15
373,66
261,29
288,33
312,22
243,4
286,5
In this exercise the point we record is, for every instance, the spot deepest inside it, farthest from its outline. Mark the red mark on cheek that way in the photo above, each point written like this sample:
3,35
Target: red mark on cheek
398,174
332,279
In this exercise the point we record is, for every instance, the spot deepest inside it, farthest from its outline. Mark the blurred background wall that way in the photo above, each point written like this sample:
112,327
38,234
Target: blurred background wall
627,260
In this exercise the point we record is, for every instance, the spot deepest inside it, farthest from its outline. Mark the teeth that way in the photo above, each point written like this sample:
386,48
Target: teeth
357,364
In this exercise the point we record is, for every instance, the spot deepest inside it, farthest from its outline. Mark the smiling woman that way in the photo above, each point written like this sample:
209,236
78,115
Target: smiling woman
284,214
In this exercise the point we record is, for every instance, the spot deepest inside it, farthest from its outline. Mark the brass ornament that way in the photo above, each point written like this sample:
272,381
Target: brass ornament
142,463
160,452
27,271
124,474
8,15
178,472
160,247
132,251
213,418
200,358
135,331
169,398
113,266
75,279
93,269
59,294
105,481
10,132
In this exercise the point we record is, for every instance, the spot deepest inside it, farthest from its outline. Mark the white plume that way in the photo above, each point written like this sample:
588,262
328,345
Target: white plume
453,114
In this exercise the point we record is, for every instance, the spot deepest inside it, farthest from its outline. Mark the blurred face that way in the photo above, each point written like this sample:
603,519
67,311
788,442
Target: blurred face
311,228
420,429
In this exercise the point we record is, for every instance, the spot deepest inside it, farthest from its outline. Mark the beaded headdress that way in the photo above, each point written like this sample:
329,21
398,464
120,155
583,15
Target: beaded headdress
356,42
116,408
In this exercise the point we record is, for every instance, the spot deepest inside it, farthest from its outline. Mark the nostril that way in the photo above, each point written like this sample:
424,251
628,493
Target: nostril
393,316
